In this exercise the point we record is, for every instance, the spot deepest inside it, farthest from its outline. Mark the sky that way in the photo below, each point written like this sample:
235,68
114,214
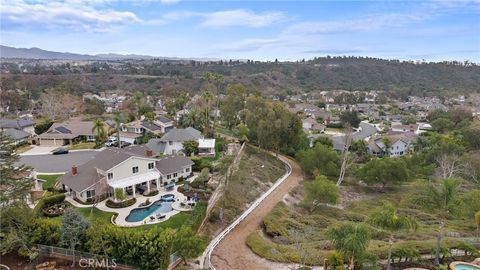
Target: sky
260,30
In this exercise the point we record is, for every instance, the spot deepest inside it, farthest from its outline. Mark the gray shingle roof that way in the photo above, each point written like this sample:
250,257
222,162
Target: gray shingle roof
181,135
16,134
172,163
156,145
16,123
86,176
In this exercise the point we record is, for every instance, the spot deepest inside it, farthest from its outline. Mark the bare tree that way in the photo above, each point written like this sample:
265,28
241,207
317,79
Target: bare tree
347,159
450,165
58,105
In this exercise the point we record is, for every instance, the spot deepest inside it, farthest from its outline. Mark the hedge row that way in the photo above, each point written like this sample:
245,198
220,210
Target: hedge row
48,201
122,204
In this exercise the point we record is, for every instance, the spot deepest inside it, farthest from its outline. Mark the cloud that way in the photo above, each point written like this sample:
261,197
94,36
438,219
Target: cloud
74,15
241,17
169,2
371,23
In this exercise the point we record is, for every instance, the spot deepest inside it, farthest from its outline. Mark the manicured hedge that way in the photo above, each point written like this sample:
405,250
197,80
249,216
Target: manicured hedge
122,204
48,201
54,199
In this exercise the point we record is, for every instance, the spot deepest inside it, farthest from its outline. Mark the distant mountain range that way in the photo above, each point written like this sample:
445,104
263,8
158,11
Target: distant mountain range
36,53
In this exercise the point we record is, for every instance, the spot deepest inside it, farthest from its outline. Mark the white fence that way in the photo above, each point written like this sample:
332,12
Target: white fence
216,241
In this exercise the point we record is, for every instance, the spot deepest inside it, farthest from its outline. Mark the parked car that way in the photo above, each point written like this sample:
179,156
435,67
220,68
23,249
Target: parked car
60,151
111,142
124,144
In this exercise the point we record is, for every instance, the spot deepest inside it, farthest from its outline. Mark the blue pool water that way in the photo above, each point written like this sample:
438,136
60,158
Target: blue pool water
462,266
164,205
168,198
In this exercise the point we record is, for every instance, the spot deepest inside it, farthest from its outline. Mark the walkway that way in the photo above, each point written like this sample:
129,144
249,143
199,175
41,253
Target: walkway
232,252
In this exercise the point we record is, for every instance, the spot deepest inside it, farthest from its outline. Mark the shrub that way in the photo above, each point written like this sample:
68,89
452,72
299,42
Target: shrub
200,163
214,217
54,199
198,214
335,261
122,204
151,193
406,253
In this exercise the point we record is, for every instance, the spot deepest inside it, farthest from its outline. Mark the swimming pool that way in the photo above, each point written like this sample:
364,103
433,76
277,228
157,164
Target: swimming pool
164,205
168,198
464,266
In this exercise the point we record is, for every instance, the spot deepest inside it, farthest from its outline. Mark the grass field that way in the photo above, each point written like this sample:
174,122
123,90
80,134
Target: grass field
82,145
23,148
50,180
287,225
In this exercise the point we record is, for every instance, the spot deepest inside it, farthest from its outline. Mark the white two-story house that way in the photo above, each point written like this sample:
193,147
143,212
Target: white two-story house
399,145
172,142
132,169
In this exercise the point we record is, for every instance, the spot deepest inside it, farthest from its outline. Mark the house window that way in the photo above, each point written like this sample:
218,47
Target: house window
151,165
110,175
135,169
90,193
175,175
187,170
169,176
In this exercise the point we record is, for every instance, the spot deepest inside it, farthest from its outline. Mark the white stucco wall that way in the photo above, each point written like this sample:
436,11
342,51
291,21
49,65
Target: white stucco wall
174,148
124,170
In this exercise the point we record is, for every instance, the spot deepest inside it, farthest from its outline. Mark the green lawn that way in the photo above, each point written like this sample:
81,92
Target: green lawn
23,148
51,180
82,145
95,215
174,222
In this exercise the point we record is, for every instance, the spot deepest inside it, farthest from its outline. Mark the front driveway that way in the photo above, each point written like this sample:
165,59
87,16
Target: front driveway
48,163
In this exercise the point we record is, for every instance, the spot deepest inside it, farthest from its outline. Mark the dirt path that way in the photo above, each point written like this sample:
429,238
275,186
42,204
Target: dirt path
232,252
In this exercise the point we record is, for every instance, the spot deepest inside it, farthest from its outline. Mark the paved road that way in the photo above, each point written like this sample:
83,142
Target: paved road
57,163
232,252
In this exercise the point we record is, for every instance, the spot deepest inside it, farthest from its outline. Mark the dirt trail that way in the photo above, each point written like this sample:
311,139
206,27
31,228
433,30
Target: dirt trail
232,252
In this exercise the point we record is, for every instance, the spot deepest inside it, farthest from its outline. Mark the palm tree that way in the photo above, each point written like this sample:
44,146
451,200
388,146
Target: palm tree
350,239
216,79
207,96
442,200
118,118
192,119
99,128
387,219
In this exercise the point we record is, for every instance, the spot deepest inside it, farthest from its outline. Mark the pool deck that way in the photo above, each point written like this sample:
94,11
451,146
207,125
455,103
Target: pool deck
124,212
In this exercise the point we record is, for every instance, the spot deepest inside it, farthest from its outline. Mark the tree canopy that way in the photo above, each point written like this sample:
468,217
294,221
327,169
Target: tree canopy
384,171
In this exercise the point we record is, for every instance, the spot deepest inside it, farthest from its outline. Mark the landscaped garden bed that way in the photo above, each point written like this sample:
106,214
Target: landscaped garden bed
122,204
55,210
151,193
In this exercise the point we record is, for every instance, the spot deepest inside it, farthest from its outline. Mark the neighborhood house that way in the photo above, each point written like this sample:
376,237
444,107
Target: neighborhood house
132,169
67,133
172,142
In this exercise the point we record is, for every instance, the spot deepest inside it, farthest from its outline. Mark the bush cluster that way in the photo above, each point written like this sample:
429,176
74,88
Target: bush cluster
121,204
151,193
